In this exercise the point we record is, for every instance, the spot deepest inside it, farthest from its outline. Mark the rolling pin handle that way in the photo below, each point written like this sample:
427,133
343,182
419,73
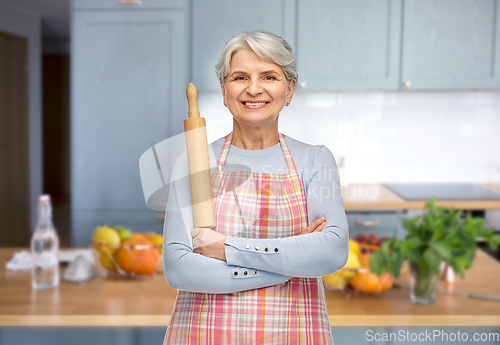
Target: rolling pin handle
192,96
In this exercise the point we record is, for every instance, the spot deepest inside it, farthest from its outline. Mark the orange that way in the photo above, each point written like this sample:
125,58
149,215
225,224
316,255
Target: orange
364,259
386,280
139,261
370,282
367,281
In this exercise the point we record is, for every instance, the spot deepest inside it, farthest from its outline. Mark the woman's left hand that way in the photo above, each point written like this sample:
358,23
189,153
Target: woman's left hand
209,243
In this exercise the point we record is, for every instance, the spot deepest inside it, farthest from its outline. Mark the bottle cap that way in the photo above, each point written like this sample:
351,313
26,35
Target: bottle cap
45,199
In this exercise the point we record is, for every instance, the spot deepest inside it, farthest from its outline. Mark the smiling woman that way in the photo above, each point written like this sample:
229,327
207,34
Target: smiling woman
255,92
256,277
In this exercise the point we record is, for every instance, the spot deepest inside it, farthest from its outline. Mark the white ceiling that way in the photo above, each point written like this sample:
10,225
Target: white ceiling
55,16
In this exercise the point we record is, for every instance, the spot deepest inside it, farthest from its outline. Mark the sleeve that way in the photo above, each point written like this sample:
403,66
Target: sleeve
186,270
310,255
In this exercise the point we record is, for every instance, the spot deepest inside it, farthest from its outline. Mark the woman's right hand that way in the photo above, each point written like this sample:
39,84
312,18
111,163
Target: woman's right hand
316,226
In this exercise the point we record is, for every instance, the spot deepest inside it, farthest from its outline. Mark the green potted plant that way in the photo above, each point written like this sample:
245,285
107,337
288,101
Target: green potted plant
438,235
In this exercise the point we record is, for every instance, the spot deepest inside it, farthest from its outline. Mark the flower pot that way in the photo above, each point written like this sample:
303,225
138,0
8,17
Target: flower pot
423,287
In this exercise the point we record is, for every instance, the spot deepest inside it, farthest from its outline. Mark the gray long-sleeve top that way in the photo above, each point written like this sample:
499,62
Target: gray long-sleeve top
309,255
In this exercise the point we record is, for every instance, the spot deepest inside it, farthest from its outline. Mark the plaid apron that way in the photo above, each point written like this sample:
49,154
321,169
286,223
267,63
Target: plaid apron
255,205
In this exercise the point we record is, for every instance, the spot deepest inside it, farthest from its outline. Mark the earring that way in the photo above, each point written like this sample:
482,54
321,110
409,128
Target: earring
287,104
225,104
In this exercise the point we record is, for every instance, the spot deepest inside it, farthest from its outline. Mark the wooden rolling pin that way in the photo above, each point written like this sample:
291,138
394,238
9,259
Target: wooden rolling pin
199,163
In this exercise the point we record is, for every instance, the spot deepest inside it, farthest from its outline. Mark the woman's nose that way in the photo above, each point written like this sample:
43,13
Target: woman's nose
254,87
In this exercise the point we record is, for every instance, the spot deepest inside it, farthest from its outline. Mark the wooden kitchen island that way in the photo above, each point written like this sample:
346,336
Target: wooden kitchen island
148,302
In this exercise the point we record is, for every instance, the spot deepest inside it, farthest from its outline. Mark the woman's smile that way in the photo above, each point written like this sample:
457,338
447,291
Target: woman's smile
254,104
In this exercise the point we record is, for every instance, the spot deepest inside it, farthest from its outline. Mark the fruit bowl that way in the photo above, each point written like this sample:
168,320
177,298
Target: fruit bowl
365,280
356,272
134,257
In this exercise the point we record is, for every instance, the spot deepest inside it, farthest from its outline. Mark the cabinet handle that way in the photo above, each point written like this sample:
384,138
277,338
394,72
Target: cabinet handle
368,222
407,83
159,216
129,2
302,84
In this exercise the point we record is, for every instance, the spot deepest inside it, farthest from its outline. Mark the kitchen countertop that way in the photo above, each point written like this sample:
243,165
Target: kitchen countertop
149,302
376,196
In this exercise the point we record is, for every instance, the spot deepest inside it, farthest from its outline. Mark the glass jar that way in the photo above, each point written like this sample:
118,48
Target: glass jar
423,286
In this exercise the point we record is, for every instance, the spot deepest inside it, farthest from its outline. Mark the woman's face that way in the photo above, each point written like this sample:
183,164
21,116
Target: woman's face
255,91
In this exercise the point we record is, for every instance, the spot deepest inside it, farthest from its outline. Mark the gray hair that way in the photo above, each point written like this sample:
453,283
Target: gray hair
269,47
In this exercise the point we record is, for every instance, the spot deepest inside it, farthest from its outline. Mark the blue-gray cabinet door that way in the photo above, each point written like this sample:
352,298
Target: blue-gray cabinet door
127,5
451,45
214,22
348,44
129,76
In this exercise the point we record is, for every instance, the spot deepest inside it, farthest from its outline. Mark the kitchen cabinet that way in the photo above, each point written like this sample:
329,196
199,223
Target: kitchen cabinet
451,45
129,74
215,22
348,45
398,45
381,223
124,5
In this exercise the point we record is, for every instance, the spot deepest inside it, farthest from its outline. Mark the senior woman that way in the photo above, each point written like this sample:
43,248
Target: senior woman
281,224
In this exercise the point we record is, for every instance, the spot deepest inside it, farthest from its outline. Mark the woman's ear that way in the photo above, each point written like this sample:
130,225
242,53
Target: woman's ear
223,88
290,90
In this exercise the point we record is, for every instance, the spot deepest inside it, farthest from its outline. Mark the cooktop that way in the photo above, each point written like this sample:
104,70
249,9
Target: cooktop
442,191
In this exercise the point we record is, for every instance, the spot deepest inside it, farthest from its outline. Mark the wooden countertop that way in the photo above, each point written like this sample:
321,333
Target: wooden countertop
365,196
149,302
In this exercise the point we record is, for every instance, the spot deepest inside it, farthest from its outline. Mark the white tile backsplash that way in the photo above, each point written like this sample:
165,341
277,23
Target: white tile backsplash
474,129
391,136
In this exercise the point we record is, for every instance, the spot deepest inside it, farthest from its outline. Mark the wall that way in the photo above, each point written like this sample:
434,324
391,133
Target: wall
391,136
26,24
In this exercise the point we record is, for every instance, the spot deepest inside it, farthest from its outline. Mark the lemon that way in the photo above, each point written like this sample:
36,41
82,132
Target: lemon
352,265
339,279
336,280
107,262
105,235
156,239
354,247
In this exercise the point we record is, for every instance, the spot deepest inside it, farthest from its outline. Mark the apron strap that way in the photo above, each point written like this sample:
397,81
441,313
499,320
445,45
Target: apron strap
225,150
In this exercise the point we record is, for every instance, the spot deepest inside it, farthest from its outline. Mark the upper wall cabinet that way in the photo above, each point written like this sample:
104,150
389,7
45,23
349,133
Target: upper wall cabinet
127,83
129,75
451,45
348,44
128,5
214,22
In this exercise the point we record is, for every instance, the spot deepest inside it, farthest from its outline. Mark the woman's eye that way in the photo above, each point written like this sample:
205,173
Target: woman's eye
269,77
239,78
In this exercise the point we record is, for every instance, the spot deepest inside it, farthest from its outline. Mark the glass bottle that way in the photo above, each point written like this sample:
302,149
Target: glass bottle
45,249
